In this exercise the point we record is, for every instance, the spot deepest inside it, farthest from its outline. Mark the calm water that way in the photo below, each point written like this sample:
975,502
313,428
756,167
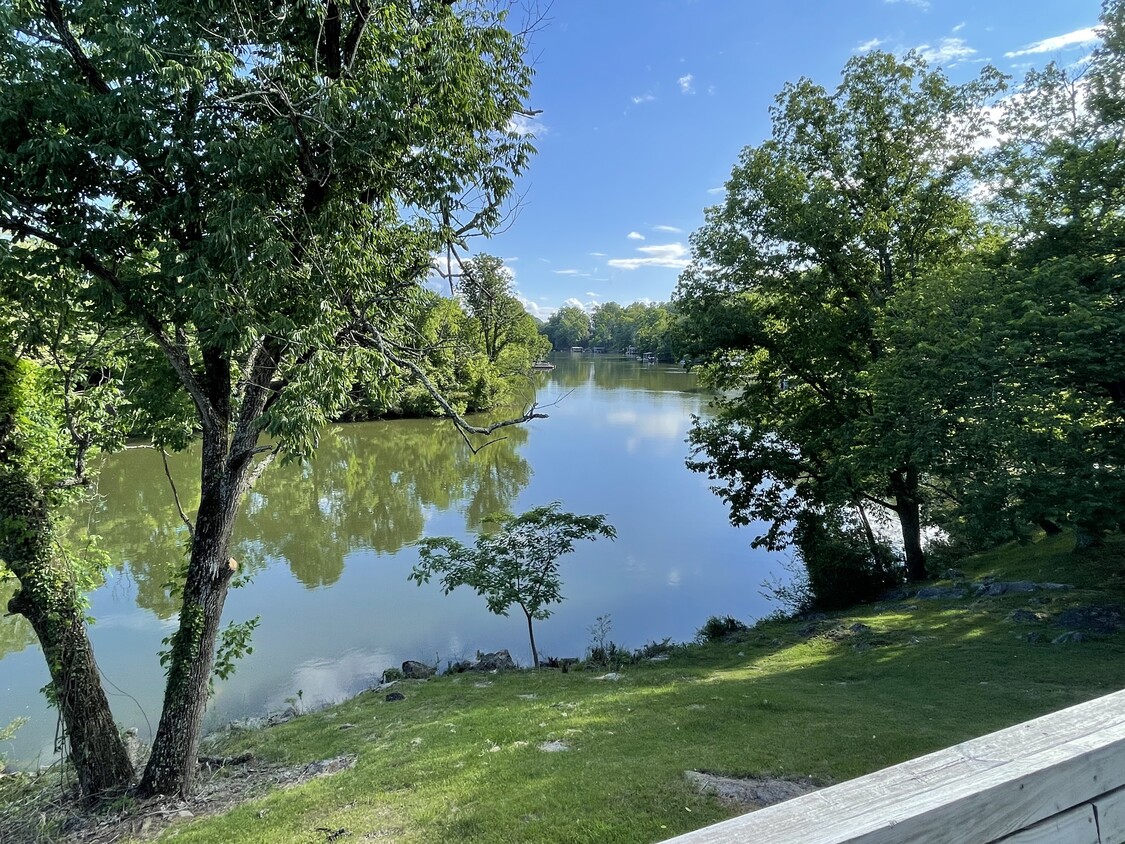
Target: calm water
329,549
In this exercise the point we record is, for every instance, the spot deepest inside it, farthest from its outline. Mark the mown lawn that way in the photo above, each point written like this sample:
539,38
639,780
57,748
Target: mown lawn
828,699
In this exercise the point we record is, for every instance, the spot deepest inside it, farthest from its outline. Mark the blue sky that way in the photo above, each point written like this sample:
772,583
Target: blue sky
646,106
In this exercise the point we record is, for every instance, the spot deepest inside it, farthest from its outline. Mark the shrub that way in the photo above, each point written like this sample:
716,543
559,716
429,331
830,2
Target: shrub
718,627
842,568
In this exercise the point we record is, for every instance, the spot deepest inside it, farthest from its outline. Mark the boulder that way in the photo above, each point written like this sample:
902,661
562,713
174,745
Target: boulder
413,670
394,696
939,593
1092,619
1069,638
499,661
1025,617
1004,588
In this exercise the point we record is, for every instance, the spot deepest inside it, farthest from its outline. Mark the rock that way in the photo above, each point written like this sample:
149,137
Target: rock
1057,587
330,766
390,675
1092,619
952,574
939,593
1034,638
1004,587
750,792
896,595
859,627
1071,637
499,661
1025,617
612,675
413,670
393,696
554,747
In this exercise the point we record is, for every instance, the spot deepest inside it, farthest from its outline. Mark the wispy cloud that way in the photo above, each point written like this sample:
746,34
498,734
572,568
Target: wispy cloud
959,27
716,191
643,98
635,236
868,46
921,4
597,255
568,272
592,295
672,255
948,50
1078,38
521,124
686,86
668,229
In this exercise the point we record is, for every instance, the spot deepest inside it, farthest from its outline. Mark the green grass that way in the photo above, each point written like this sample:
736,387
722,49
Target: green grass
457,761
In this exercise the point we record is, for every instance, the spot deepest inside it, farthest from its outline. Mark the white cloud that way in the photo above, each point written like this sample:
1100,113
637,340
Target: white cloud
868,46
921,4
521,124
597,255
671,255
635,236
716,191
593,295
643,98
669,229
1078,38
578,303
948,50
686,86
959,27
568,272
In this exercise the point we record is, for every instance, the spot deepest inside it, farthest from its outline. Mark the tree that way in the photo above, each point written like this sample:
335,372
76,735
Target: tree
52,421
261,195
856,196
568,326
486,288
517,564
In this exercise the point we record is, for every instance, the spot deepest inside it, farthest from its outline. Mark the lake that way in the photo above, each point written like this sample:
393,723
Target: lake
328,547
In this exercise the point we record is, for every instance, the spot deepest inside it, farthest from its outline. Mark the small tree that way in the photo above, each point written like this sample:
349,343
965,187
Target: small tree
517,564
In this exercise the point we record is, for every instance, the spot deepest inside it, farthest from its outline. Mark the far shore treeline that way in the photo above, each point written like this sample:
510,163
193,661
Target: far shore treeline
219,225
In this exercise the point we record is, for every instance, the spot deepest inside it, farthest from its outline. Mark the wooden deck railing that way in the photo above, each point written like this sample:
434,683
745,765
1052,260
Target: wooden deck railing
1057,779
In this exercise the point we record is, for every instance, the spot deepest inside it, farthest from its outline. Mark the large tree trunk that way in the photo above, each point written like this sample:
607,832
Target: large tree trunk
172,764
47,598
904,485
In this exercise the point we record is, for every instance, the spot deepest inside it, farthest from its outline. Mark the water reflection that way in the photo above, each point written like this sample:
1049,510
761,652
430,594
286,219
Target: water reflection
329,548
370,486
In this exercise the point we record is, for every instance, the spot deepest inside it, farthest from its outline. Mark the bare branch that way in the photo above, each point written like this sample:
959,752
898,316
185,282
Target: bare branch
176,495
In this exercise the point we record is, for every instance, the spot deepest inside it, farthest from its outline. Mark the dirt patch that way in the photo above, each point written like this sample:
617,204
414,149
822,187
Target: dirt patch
35,810
749,792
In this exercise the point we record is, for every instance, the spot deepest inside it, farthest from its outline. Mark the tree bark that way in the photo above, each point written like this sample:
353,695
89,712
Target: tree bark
172,764
904,485
531,636
49,600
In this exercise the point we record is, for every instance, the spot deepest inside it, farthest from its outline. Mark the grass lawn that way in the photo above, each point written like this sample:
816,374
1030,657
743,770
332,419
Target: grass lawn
828,699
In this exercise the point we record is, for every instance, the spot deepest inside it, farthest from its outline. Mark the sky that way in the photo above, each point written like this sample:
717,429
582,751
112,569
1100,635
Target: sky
646,106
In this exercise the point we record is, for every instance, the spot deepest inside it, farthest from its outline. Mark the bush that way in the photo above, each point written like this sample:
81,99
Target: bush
718,627
842,568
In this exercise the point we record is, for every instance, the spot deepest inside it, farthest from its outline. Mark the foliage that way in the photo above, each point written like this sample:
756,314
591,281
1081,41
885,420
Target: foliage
718,627
256,198
857,195
517,564
843,568
568,326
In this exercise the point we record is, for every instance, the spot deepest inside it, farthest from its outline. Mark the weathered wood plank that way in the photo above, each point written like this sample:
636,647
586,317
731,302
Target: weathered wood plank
1111,817
1077,826
977,791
